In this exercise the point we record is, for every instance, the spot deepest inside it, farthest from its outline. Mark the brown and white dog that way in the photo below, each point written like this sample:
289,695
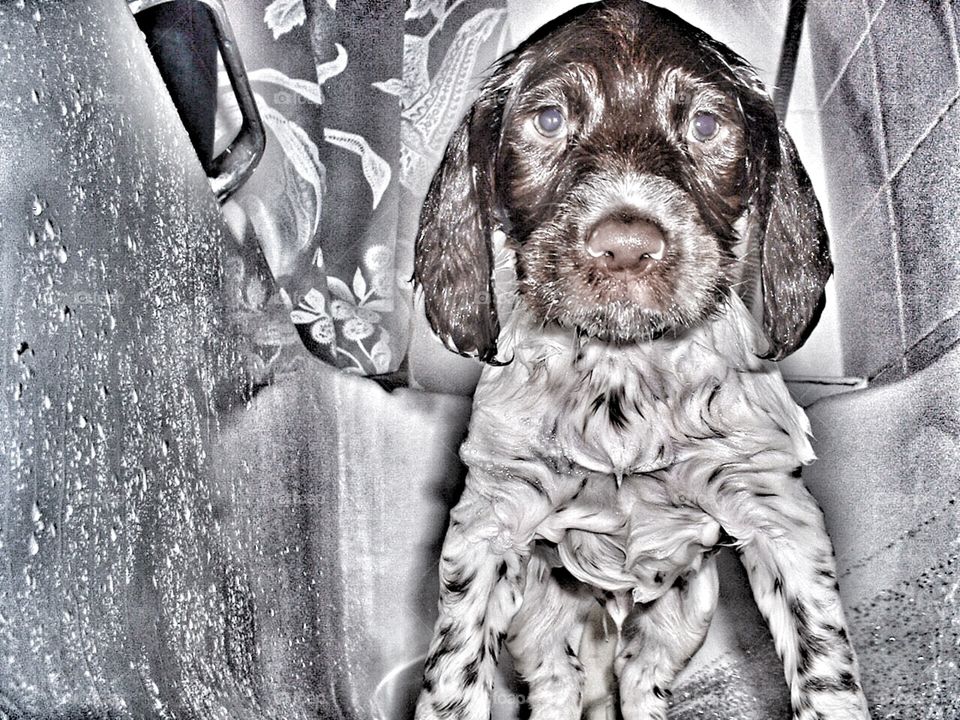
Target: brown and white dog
629,417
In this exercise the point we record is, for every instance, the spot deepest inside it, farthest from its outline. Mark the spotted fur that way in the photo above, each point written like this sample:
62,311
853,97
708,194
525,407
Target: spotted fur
634,508
626,425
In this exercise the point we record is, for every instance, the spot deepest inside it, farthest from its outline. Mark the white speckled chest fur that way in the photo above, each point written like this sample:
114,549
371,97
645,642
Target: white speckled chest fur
629,449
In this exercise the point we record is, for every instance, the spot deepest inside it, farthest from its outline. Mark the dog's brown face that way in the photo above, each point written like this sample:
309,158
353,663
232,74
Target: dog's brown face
617,148
623,163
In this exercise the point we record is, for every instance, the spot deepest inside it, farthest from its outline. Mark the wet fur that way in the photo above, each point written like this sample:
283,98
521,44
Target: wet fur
623,431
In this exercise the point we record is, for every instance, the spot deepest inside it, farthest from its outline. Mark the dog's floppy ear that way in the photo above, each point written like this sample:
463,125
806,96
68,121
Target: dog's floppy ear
795,256
794,250
453,259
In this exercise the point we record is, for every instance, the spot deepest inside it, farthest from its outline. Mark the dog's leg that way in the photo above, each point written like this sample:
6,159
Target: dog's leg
544,639
482,569
659,638
790,562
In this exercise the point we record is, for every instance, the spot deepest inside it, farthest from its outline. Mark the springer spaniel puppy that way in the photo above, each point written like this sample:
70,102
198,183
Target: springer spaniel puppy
628,420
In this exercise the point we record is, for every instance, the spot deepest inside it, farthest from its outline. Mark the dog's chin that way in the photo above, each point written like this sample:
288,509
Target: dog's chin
621,321
616,308
626,328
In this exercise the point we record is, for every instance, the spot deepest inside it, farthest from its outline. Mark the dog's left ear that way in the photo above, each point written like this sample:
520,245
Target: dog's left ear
794,248
453,257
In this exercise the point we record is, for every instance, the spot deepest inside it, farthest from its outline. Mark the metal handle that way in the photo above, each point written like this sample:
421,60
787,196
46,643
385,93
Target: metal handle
231,168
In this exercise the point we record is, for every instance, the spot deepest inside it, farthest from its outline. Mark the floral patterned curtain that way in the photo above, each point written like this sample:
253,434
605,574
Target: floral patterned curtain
359,99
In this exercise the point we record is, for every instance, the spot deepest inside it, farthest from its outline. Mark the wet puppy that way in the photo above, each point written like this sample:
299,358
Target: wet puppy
629,418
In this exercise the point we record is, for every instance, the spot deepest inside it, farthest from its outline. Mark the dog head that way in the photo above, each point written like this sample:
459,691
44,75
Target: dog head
639,170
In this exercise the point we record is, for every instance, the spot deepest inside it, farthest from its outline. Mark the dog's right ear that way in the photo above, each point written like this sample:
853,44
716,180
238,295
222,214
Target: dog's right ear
453,259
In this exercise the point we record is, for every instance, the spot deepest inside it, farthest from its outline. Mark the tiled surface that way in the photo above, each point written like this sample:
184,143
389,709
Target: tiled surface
853,138
889,122
926,199
874,6
929,348
836,29
916,72
868,291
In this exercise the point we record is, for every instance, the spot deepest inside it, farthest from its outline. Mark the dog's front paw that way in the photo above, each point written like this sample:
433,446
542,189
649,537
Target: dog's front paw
829,704
462,703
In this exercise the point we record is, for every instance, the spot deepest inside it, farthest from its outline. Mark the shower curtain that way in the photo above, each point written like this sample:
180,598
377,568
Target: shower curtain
358,99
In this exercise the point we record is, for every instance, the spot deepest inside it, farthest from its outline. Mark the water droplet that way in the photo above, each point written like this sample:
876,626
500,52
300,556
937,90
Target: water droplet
82,422
33,546
35,513
37,205
48,230
62,254
32,238
36,97
46,402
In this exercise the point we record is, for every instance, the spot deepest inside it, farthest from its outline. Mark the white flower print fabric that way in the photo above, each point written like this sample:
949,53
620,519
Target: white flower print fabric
358,104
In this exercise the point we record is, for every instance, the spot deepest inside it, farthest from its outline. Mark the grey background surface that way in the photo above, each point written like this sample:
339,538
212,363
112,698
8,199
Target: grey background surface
179,541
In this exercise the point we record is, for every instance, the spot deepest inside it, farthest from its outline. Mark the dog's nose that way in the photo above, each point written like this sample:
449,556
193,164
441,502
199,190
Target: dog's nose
626,243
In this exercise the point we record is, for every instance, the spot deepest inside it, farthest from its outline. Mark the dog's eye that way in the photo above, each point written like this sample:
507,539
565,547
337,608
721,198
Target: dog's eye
550,122
704,126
